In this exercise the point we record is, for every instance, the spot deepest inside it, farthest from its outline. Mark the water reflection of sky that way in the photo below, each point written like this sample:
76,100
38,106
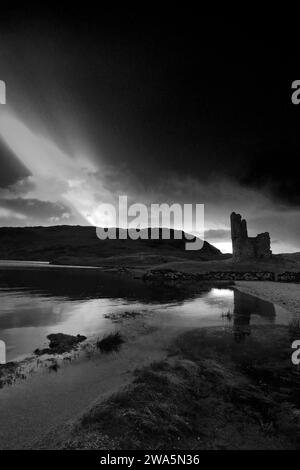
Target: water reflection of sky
37,304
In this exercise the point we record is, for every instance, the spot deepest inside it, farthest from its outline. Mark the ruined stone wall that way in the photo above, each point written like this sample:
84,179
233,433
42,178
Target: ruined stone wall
244,247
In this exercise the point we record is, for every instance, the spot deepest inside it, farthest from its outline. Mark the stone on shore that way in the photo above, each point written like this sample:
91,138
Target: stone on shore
60,343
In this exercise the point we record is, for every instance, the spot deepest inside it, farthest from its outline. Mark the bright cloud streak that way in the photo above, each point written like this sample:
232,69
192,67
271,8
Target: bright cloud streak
81,184
56,175
8,213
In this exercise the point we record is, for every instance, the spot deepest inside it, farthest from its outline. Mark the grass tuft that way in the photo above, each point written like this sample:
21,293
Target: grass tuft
110,343
294,327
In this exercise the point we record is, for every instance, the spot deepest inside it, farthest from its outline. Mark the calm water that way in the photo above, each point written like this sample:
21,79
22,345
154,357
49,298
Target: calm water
37,301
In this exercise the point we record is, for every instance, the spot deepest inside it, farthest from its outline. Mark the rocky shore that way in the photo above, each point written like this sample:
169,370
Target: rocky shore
166,275
60,343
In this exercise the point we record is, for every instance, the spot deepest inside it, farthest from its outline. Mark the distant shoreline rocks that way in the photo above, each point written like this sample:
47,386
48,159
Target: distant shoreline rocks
160,275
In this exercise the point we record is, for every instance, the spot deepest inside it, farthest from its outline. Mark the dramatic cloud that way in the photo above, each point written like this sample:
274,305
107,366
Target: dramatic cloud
107,108
34,210
55,176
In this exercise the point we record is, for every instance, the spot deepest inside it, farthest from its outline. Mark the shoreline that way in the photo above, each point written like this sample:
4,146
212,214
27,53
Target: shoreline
55,398
40,264
101,377
286,295
237,396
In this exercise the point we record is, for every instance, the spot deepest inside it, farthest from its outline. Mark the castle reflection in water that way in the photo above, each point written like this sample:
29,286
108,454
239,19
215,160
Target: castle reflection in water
244,307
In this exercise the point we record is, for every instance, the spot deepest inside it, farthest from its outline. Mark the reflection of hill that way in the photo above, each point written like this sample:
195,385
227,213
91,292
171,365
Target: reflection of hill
76,244
77,284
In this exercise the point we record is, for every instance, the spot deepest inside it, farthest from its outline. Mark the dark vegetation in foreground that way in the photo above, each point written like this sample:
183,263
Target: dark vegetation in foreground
294,328
8,373
211,393
111,342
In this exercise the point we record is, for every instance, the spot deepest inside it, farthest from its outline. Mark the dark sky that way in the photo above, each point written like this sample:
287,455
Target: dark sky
176,107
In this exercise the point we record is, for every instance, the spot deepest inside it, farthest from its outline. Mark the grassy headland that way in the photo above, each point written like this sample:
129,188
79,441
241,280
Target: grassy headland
210,393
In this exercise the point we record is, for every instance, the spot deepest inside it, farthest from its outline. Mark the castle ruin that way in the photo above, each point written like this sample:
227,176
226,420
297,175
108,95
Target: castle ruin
244,247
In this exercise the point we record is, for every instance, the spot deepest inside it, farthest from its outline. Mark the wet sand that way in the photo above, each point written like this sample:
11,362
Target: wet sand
286,295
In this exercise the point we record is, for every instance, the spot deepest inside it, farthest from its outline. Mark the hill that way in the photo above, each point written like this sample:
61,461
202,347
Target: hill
80,245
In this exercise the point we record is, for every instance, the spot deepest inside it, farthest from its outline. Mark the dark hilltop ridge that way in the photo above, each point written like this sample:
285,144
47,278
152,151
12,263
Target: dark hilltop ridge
252,258
79,245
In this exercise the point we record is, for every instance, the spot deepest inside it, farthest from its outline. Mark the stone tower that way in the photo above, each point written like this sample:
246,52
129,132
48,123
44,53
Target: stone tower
244,247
